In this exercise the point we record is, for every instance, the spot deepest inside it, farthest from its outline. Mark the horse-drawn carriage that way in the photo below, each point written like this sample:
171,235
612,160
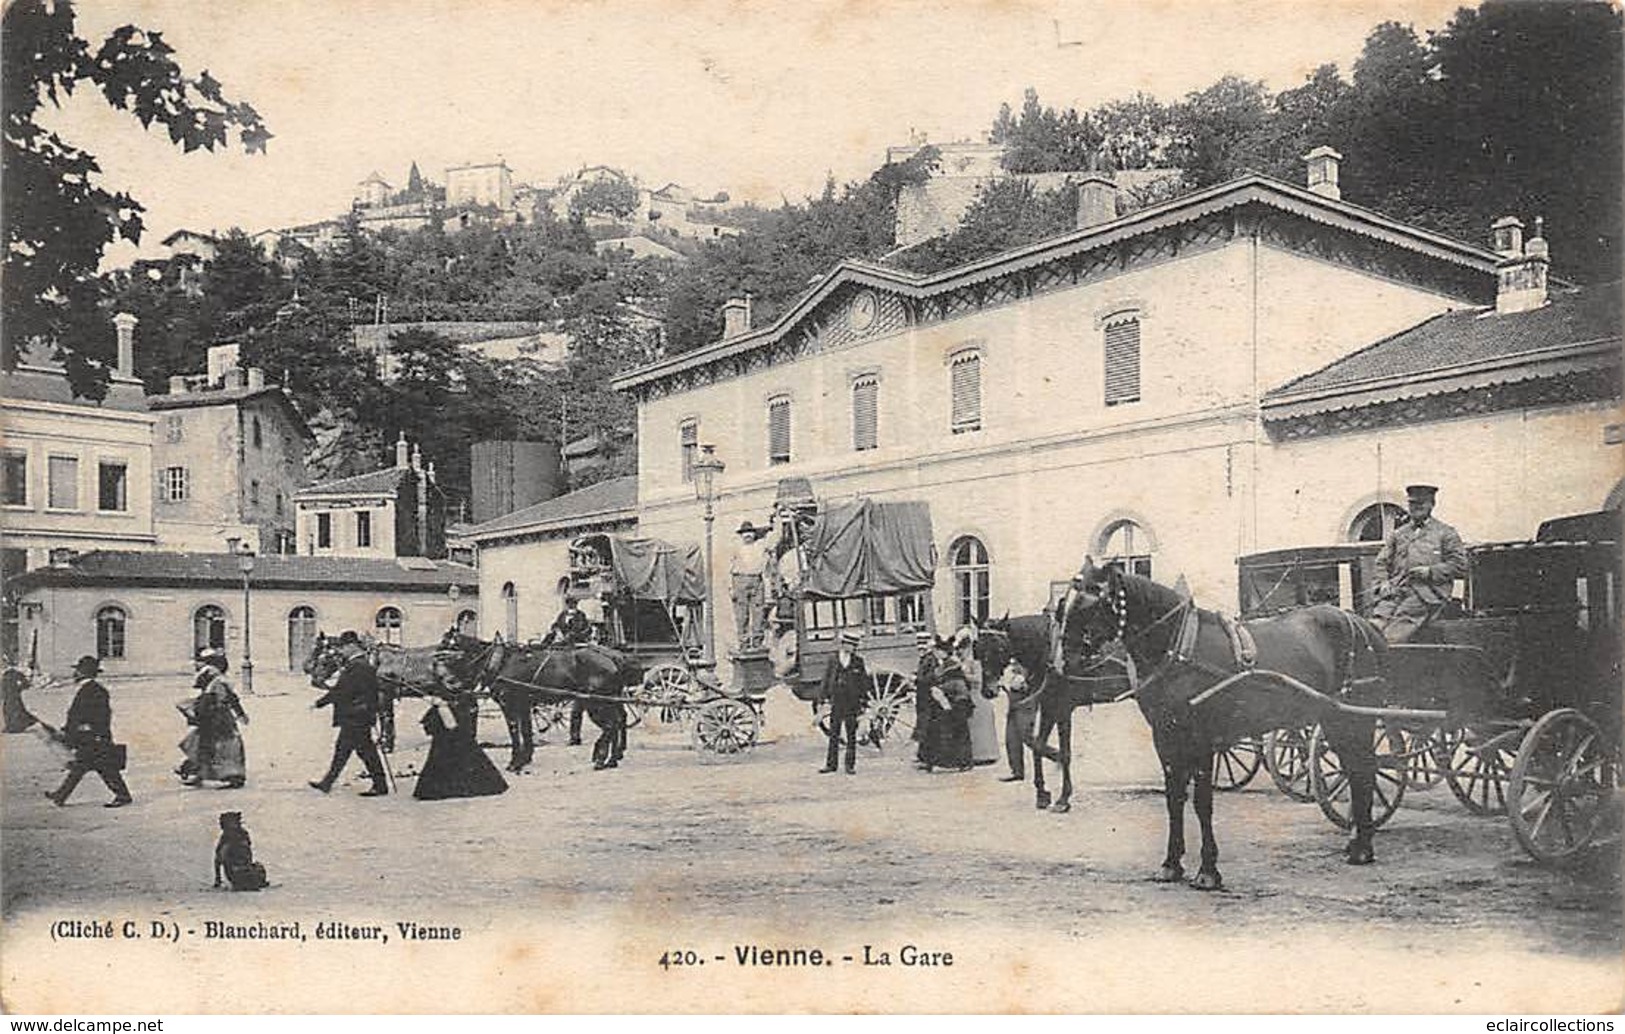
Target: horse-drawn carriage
861,565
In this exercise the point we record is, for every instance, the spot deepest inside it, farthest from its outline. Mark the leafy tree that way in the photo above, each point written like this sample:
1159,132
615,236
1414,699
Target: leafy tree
58,216
607,196
1007,213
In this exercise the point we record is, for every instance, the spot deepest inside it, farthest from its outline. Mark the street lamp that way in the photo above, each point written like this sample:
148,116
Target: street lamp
706,468
245,564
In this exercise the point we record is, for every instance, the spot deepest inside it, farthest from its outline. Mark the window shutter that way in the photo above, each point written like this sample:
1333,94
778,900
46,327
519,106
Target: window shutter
689,443
865,413
966,387
1123,362
778,431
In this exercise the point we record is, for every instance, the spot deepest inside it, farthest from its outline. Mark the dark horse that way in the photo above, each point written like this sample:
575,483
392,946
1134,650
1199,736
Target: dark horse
1016,652
519,677
402,672
1199,689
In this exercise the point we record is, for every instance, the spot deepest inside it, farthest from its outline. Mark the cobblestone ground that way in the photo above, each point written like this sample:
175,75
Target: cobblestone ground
567,890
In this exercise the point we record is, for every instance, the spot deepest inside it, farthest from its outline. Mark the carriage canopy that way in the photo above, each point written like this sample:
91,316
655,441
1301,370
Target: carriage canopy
866,548
651,569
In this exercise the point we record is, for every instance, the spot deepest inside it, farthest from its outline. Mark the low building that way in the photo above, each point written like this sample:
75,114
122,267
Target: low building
396,512
147,613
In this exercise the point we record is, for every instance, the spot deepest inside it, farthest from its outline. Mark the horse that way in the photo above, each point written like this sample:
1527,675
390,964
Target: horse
402,672
1016,652
521,676
1203,682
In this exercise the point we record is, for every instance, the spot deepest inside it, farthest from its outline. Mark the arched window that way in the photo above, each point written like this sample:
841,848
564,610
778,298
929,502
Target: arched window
208,628
967,559
1128,545
468,623
110,632
301,636
510,612
1373,523
387,626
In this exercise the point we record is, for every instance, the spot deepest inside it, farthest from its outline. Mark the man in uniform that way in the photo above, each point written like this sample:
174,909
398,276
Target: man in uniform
571,627
89,731
354,697
1418,564
748,570
846,684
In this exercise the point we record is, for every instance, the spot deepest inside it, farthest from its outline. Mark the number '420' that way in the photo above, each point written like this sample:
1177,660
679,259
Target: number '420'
679,957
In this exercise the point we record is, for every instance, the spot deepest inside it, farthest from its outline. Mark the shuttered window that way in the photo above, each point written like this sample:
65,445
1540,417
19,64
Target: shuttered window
865,413
1123,361
688,435
965,384
778,431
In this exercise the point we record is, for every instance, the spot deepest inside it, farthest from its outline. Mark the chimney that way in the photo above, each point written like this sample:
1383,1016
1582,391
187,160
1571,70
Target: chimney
401,452
736,317
1323,172
124,323
256,378
1507,232
431,471
1520,277
417,459
1097,200
177,384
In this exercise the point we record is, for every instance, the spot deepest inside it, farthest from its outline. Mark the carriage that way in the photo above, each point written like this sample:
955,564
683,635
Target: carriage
649,596
860,565
1511,697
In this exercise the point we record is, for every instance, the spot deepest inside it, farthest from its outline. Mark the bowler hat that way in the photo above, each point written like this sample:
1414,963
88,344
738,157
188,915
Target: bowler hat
746,528
87,665
212,657
1421,491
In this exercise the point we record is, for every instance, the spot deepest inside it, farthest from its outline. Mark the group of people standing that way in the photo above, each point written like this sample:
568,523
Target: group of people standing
953,705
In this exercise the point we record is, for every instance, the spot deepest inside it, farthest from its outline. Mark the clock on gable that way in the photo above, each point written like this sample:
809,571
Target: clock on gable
863,312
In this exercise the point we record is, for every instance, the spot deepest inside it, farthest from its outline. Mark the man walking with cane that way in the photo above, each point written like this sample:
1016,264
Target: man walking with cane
354,698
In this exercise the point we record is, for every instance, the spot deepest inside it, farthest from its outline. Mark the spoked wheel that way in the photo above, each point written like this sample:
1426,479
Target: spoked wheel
1234,766
1330,781
1560,797
889,711
668,688
1423,769
1286,757
725,726
1477,766
547,714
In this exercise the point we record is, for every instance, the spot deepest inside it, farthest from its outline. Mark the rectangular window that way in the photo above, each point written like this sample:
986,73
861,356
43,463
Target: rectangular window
175,487
363,529
112,487
1123,361
778,431
173,431
63,492
254,494
324,531
279,502
15,475
865,413
965,386
688,436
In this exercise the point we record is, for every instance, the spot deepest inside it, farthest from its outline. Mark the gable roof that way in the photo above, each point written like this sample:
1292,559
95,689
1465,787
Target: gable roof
225,396
373,482
1466,348
46,381
608,502
1249,189
273,571
178,234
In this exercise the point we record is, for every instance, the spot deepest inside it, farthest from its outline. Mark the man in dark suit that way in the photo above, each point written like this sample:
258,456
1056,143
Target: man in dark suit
846,686
89,731
354,698
1418,567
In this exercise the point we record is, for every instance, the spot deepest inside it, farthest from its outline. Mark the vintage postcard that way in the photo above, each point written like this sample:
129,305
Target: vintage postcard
1066,506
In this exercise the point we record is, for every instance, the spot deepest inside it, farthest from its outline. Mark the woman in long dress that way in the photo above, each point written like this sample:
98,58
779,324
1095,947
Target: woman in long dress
951,695
214,745
984,738
456,766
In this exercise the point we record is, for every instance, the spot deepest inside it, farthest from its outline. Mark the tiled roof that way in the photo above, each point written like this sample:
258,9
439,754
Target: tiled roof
45,381
1491,347
193,399
374,482
108,567
613,500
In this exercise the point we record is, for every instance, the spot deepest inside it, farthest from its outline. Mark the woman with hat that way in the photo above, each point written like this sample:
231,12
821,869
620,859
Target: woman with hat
925,709
984,737
952,699
846,685
88,729
214,746
456,766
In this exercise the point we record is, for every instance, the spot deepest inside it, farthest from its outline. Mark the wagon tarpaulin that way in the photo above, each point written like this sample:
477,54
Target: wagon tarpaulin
864,547
650,569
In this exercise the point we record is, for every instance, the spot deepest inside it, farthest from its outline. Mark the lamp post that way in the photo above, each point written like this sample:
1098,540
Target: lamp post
706,468
245,564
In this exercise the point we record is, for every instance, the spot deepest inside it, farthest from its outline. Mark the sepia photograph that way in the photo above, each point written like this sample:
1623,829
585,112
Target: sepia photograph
741,507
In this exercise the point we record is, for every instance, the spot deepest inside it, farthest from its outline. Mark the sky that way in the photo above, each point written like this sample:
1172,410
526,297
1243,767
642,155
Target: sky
761,99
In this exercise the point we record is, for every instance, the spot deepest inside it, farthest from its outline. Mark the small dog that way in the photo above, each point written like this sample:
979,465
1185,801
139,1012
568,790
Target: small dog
234,855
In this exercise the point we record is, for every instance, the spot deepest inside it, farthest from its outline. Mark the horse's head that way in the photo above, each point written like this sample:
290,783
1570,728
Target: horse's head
992,649
1091,615
325,658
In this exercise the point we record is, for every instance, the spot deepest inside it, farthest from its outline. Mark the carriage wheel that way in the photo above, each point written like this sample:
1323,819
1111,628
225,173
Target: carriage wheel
1286,757
1476,768
1330,781
725,727
889,711
1561,792
545,715
668,687
1423,768
1234,766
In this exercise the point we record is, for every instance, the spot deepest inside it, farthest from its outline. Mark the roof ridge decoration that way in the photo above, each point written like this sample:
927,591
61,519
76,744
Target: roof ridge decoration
1274,212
